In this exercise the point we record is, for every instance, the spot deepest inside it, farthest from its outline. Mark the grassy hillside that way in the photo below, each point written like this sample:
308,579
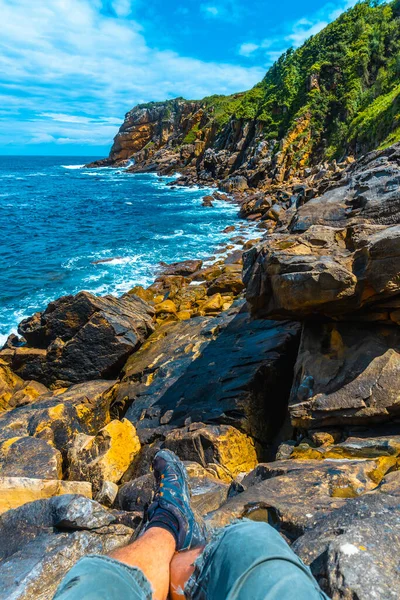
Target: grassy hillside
342,84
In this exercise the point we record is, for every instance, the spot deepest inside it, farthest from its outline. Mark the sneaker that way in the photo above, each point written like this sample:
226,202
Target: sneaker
172,496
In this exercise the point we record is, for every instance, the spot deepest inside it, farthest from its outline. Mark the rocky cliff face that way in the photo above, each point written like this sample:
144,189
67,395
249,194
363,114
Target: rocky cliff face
337,95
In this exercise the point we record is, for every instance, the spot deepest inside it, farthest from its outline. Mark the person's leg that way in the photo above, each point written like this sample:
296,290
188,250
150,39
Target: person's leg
152,554
182,568
247,560
143,567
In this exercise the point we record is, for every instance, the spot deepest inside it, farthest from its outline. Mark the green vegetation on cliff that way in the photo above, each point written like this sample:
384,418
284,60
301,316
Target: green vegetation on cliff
340,89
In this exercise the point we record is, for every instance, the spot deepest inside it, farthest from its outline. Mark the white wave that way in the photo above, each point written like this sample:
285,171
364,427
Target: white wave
73,167
129,203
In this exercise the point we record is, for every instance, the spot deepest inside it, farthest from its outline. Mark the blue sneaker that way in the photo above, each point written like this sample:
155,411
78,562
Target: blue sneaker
171,505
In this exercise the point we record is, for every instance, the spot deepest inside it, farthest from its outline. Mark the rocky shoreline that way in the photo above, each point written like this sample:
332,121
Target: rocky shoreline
278,387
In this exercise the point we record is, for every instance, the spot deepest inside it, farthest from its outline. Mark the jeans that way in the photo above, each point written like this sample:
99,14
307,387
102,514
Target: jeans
246,560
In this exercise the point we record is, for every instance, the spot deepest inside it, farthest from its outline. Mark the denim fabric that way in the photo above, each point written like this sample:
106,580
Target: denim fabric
250,560
246,560
102,578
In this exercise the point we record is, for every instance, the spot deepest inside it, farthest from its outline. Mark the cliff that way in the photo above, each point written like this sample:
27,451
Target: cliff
273,371
337,95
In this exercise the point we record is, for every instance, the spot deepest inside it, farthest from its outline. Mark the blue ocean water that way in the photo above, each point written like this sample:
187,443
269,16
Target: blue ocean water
57,219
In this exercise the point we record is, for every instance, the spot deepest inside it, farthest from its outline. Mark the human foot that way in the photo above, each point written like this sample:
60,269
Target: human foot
171,508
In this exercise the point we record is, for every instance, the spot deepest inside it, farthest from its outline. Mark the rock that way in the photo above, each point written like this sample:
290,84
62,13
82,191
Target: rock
208,201
226,369
18,491
136,494
353,552
285,450
30,457
35,555
229,282
167,307
57,417
297,495
14,391
341,255
184,268
233,184
104,457
223,449
78,512
346,374
212,306
107,493
86,337
208,494
229,229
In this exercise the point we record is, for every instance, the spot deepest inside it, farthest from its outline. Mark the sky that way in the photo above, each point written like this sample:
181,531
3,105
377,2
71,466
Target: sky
71,69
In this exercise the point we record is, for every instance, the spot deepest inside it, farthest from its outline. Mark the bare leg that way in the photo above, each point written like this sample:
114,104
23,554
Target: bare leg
152,554
182,567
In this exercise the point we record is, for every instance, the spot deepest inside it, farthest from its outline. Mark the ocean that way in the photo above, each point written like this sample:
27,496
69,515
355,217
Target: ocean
58,220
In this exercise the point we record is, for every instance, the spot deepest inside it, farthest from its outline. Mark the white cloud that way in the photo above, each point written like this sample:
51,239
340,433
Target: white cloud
295,34
210,10
248,49
122,8
70,71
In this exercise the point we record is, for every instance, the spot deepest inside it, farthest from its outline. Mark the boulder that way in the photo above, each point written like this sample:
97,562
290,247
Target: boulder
353,553
346,373
184,268
104,457
30,457
83,337
107,493
14,391
222,449
233,184
57,417
136,494
78,512
42,540
18,491
228,369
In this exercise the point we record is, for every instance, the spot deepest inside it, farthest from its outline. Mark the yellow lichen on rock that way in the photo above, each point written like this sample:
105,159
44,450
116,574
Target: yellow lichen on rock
106,456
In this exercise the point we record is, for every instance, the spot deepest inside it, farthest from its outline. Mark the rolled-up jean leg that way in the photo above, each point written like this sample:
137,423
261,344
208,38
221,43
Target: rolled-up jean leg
102,578
251,561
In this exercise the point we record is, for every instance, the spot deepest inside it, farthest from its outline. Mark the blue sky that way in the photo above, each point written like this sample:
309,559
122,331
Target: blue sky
71,69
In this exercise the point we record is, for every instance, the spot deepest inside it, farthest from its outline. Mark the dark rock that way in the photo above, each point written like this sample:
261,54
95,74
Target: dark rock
35,555
208,201
184,268
136,494
342,254
346,373
296,495
86,337
30,457
230,369
78,512
354,551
